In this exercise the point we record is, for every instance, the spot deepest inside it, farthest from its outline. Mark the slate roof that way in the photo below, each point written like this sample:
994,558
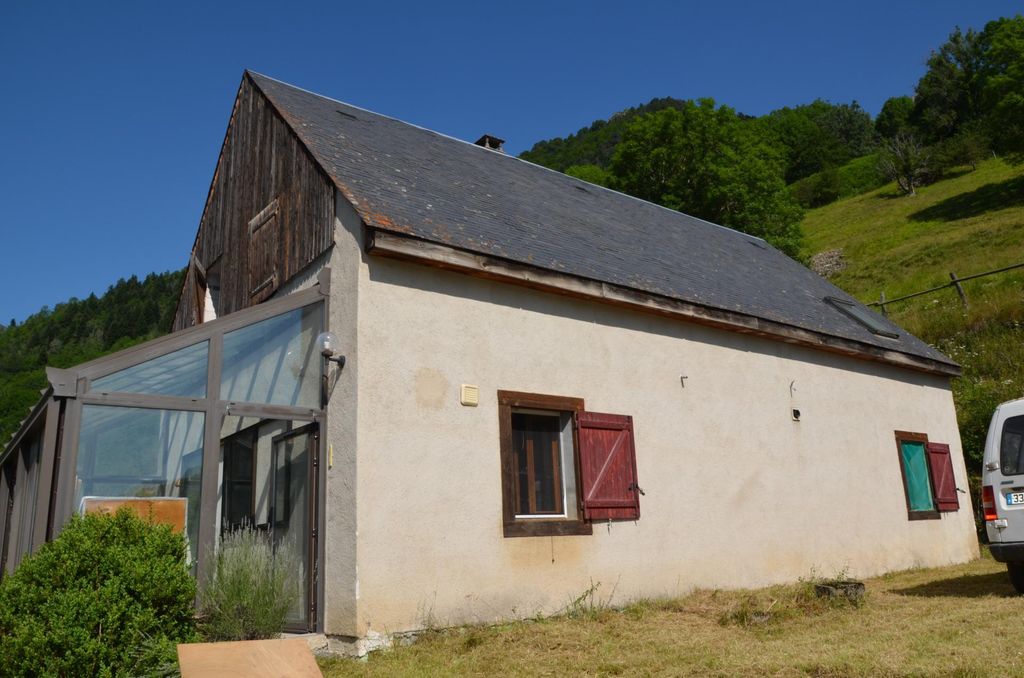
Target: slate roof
408,180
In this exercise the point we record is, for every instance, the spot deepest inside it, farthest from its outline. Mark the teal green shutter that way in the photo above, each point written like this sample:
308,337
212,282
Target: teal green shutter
915,466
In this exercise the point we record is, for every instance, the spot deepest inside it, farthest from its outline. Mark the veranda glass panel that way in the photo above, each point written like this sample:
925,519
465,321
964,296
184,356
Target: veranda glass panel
136,452
275,361
266,484
180,373
915,465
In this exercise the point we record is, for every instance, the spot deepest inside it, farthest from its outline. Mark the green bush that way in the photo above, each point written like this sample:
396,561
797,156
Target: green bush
110,596
860,175
249,589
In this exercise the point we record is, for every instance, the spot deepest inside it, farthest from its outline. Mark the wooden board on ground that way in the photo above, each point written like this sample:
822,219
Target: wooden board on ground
287,658
163,510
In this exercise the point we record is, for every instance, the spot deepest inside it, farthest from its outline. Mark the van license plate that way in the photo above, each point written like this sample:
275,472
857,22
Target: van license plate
1013,498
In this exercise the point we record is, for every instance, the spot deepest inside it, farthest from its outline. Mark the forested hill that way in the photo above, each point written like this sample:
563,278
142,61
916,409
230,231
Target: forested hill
757,174
78,330
596,144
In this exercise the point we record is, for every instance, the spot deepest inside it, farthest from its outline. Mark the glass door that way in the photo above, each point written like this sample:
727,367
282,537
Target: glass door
292,512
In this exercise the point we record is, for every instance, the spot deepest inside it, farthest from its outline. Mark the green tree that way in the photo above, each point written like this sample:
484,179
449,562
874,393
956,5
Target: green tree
706,161
949,93
1002,43
76,331
591,173
894,118
593,145
819,135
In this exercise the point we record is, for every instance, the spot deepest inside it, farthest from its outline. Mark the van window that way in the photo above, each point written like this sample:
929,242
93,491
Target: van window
1011,446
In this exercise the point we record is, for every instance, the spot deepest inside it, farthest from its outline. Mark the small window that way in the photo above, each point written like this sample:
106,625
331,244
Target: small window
542,447
928,481
917,483
540,469
1011,447
563,467
870,320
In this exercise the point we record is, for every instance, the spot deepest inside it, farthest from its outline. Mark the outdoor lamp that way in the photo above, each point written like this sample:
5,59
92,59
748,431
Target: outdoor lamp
327,343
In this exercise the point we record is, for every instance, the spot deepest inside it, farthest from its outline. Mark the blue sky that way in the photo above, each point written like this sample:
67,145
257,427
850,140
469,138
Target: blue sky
113,114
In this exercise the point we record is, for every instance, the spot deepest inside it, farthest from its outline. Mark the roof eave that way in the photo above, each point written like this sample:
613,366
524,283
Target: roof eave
389,244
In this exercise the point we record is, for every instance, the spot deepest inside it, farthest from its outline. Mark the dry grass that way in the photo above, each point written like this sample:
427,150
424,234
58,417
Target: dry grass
954,621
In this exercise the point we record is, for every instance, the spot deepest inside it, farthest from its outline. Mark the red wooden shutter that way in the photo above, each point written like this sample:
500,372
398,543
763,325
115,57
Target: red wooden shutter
941,466
608,467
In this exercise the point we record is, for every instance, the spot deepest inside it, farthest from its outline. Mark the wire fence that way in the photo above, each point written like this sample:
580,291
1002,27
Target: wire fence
954,282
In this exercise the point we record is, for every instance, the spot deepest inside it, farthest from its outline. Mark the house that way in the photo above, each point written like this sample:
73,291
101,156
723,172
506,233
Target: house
547,386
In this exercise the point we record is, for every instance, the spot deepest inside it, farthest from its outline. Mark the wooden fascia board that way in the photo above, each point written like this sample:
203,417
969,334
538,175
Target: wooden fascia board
413,249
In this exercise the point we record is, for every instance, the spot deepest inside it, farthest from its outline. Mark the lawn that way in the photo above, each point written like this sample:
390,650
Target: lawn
955,620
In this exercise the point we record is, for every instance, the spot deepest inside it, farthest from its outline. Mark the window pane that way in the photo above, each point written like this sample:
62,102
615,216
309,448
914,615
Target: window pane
237,453
275,361
32,455
915,465
135,452
535,441
180,373
1011,447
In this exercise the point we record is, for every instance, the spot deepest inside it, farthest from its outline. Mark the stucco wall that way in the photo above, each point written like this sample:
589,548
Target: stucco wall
737,493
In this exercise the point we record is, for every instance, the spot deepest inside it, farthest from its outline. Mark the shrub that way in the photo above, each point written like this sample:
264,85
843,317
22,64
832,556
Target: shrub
249,589
110,596
858,176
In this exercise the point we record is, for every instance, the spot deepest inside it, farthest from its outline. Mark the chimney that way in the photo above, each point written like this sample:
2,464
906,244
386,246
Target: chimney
491,143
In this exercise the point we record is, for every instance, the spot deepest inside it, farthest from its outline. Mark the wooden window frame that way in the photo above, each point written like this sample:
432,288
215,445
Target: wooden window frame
910,436
535,527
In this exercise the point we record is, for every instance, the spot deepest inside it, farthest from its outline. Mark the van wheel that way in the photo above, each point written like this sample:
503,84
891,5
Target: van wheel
1016,572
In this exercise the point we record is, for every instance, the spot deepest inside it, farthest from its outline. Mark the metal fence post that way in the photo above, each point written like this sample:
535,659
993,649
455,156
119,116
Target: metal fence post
881,304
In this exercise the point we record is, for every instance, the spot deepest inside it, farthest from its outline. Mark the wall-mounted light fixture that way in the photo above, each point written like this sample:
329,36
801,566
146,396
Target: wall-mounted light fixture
328,345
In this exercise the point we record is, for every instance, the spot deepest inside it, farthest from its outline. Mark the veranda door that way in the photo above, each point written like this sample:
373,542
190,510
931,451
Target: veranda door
269,481
293,513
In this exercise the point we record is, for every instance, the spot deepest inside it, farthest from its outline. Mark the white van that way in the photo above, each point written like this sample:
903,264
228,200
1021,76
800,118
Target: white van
1002,492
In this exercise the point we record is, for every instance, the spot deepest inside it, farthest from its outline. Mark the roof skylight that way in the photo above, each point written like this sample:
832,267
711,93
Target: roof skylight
863,316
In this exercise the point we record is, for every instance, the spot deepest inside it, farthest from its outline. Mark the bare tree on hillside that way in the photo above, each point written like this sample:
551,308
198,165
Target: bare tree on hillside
904,160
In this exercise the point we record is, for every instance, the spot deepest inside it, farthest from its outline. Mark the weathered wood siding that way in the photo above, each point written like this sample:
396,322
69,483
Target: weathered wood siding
262,165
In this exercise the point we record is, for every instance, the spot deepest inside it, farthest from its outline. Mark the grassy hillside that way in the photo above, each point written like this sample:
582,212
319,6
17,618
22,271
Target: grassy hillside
969,223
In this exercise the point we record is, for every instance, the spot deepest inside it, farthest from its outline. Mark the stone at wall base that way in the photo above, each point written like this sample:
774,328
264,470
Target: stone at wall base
850,590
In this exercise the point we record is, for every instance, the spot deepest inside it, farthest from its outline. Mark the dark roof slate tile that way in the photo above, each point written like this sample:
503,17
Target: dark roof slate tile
405,179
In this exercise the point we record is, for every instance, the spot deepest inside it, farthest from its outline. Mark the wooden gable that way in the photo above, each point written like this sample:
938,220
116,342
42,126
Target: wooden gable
269,212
